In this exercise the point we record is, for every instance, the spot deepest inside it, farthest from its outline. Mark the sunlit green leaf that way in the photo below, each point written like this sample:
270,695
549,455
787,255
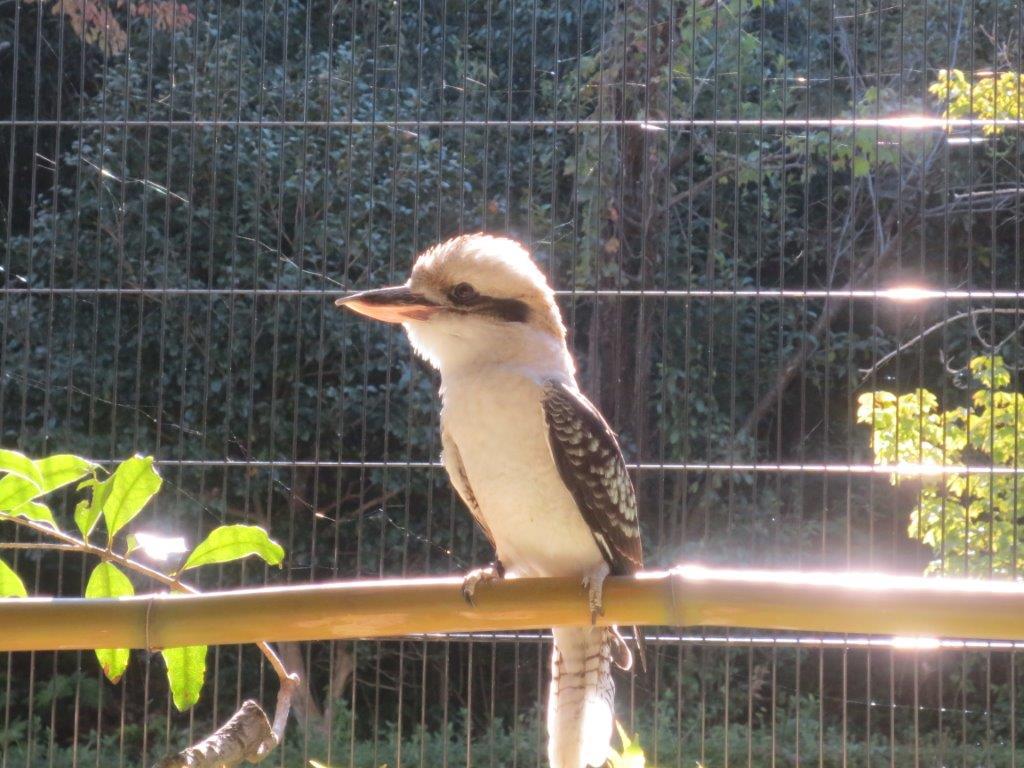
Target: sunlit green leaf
20,465
85,518
87,513
33,510
61,469
135,482
106,580
15,491
631,756
186,671
233,542
969,519
11,584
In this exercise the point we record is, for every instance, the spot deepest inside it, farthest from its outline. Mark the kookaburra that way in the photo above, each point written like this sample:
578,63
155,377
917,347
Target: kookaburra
537,465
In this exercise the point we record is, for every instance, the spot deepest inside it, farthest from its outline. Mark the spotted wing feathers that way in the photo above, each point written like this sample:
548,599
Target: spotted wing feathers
591,466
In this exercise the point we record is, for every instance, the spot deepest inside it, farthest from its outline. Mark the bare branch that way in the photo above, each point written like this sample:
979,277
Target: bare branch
867,372
247,736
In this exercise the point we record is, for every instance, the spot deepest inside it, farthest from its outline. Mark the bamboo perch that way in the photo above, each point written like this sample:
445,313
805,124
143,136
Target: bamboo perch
856,603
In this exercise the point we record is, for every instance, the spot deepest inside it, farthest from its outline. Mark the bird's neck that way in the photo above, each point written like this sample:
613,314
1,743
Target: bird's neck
532,353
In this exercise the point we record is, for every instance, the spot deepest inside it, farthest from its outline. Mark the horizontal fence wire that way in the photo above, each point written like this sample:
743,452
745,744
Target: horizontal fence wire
912,470
901,295
907,645
906,123
785,239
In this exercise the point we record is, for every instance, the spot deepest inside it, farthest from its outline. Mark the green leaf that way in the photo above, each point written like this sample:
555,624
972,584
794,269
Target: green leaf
106,580
113,662
20,465
233,542
15,491
87,513
186,670
135,482
33,510
631,756
61,469
85,518
10,583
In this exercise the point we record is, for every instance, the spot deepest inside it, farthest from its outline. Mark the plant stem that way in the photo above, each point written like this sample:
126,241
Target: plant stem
70,543
38,545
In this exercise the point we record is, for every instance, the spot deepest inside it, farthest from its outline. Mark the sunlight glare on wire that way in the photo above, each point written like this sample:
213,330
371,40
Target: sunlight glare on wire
907,293
916,643
158,547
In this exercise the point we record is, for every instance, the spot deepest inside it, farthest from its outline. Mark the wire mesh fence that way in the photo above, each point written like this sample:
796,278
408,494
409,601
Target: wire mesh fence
759,218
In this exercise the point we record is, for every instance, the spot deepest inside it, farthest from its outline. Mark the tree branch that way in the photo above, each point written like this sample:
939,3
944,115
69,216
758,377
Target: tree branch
932,329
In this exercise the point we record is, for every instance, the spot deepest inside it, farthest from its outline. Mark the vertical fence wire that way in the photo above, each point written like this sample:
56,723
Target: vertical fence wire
742,208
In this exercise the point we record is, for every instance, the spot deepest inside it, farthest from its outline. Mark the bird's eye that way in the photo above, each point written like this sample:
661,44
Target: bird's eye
463,293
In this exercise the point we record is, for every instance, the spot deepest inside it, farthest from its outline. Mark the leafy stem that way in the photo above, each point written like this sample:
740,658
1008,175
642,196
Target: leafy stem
116,501
74,544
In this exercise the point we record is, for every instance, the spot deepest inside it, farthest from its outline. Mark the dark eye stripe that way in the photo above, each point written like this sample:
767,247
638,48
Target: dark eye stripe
466,299
509,310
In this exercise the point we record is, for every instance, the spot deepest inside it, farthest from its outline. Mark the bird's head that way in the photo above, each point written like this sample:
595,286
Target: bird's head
473,300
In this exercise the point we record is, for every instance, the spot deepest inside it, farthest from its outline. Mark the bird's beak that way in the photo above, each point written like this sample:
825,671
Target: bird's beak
390,305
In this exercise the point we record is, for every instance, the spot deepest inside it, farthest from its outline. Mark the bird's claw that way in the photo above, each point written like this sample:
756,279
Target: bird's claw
492,572
594,584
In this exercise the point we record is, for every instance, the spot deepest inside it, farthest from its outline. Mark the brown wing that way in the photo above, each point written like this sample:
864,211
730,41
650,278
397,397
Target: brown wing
591,466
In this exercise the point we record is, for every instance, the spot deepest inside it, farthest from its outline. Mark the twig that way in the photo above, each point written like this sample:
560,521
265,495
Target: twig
867,372
994,200
38,545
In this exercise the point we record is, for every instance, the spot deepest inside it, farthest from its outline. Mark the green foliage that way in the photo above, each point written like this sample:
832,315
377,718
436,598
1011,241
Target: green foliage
25,480
118,499
62,469
985,97
107,581
631,755
18,465
968,519
88,511
11,584
135,482
233,542
15,492
186,672
346,200
228,205
679,726
33,510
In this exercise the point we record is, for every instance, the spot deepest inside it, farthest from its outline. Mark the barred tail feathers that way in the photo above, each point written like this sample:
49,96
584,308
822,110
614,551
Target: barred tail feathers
582,695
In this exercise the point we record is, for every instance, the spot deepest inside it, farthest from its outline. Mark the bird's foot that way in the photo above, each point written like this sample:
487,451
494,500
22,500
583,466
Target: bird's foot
593,582
493,572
